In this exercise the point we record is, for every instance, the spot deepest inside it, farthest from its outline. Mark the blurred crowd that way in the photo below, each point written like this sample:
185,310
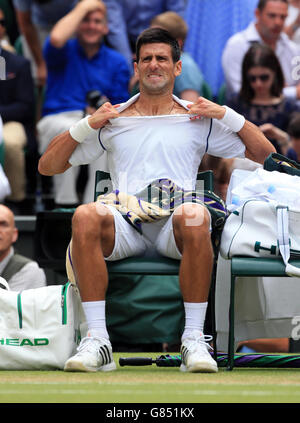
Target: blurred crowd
61,59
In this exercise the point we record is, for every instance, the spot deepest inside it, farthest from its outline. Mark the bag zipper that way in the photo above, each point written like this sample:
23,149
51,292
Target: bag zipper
19,307
64,302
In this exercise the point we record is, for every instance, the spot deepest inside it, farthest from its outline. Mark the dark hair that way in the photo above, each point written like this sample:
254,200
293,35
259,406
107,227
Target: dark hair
293,128
261,55
158,35
262,3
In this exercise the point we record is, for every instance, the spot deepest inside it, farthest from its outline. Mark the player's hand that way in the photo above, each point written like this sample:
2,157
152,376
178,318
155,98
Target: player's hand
206,108
103,114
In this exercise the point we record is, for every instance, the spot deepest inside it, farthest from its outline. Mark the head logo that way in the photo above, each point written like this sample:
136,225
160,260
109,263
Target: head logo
2,69
17,342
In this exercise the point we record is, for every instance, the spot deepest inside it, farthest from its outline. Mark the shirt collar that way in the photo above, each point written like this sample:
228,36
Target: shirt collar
133,99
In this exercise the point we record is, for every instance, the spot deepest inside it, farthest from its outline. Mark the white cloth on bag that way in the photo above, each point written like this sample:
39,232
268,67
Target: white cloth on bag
265,186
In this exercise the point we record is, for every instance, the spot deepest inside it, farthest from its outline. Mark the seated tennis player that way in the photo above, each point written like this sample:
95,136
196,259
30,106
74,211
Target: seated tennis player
154,143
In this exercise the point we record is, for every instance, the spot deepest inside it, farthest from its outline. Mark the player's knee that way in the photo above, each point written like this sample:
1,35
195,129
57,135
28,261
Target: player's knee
89,220
191,220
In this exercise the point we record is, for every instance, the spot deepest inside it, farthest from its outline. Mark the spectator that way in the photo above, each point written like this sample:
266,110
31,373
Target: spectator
35,19
128,18
76,67
17,112
188,85
20,272
293,151
268,29
261,98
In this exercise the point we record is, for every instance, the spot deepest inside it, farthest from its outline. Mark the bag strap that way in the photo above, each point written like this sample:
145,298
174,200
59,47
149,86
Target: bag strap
284,240
16,263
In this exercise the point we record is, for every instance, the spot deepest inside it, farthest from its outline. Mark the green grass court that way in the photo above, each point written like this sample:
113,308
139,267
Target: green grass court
151,384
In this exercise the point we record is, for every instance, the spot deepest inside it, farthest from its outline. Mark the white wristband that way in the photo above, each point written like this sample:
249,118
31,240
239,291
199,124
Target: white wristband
81,130
233,120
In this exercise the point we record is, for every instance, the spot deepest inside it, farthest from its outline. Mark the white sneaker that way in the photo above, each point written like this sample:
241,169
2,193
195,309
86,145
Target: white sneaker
195,356
94,354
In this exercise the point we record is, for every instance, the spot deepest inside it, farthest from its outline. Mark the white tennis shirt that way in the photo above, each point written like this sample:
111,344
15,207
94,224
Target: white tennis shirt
141,149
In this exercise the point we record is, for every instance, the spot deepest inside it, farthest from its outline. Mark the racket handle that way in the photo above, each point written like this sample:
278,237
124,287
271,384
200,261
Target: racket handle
135,361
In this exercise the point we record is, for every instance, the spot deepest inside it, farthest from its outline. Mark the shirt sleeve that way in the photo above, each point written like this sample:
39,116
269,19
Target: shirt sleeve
29,277
87,151
290,92
232,64
222,142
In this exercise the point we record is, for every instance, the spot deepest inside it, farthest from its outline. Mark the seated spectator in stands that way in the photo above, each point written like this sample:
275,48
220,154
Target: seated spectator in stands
188,85
261,98
17,113
293,151
128,18
267,29
36,19
20,272
77,66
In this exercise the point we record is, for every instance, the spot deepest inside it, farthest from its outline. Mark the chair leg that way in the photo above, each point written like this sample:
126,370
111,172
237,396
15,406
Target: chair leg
230,359
213,315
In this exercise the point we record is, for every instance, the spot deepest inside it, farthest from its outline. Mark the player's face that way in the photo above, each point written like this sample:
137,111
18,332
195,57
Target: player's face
155,69
92,28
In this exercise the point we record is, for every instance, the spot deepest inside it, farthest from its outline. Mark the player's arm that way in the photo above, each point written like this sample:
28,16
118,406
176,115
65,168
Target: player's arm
258,147
56,158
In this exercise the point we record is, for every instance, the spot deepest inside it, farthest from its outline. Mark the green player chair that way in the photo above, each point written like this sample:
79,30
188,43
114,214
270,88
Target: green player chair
250,266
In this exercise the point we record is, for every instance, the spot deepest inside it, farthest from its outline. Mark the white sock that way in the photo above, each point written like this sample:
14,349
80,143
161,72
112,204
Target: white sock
194,317
95,317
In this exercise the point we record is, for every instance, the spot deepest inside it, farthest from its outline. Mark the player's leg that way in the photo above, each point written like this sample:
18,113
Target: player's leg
99,234
191,241
93,235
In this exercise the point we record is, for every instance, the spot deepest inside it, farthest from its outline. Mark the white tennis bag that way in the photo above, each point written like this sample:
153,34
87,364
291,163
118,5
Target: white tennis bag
265,218
263,229
39,328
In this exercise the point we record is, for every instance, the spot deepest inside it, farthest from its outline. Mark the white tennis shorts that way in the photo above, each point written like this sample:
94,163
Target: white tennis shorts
157,238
